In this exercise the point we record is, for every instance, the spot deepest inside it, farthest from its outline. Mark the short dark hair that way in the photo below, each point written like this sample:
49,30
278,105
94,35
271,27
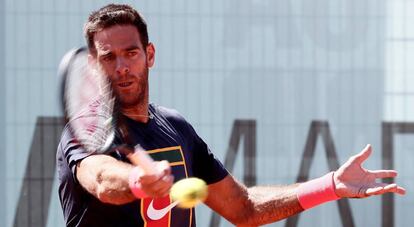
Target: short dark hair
114,14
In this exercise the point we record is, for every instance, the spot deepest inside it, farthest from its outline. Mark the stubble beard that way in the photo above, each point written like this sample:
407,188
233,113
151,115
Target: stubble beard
138,99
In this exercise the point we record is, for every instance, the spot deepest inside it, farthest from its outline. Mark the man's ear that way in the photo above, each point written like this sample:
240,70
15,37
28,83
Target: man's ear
150,55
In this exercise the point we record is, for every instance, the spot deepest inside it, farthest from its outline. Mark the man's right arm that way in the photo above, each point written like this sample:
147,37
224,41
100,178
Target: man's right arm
105,178
108,179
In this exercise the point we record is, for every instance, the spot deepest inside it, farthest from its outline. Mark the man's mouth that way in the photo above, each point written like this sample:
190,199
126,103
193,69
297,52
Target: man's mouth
124,84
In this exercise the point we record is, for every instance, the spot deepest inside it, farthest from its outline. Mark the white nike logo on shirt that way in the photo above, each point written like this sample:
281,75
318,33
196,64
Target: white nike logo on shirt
157,214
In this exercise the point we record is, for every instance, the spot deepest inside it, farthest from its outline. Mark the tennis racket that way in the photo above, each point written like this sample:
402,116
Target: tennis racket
89,106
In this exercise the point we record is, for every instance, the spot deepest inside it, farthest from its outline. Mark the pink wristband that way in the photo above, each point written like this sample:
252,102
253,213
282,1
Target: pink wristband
317,191
134,184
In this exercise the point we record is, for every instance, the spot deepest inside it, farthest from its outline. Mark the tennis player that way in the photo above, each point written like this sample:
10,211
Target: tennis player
106,190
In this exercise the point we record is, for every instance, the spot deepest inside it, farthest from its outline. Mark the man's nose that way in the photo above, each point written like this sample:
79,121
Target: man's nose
122,68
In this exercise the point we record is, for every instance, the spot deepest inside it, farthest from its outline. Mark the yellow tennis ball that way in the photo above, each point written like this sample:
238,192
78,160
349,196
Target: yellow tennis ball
189,192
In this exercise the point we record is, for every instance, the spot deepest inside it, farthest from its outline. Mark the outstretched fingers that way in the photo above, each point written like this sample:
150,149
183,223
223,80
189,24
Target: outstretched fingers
383,173
382,188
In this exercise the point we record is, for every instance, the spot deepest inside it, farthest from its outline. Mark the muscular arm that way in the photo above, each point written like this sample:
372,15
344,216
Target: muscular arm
108,179
260,205
252,206
105,178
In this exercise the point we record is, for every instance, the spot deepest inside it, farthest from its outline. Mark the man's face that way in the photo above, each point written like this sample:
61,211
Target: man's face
121,56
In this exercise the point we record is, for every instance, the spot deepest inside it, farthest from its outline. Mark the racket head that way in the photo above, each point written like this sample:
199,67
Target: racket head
87,101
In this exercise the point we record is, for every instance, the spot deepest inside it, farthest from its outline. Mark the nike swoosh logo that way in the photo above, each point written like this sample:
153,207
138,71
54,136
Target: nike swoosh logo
157,214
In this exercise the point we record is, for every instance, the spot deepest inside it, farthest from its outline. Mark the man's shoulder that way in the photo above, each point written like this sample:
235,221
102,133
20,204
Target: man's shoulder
169,113
174,118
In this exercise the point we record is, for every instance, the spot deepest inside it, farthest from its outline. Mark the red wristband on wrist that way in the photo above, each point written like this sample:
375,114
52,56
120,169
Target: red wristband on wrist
134,185
317,191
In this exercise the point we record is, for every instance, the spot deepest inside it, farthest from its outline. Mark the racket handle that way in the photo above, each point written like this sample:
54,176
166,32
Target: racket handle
142,159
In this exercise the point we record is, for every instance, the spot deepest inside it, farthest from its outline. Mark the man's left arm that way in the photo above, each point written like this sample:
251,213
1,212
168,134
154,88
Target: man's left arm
253,206
265,204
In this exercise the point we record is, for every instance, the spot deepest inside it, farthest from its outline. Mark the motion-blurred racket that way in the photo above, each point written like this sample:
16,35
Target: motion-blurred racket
89,107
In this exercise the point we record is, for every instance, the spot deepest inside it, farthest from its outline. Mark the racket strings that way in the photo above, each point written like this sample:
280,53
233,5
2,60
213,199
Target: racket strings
89,104
96,109
94,125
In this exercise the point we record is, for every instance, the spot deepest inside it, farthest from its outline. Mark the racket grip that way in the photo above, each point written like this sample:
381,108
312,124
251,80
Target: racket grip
142,159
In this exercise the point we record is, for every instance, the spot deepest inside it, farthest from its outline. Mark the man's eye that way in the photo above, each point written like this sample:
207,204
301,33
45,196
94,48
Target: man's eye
132,53
108,58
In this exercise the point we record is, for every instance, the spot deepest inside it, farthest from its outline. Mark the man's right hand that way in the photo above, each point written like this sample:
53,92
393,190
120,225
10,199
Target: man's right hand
158,183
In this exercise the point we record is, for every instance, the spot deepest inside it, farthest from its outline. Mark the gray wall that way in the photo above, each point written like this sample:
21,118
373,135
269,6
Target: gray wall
2,114
282,63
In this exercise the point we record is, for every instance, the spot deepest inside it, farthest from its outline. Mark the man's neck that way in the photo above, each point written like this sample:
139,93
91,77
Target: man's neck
137,113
